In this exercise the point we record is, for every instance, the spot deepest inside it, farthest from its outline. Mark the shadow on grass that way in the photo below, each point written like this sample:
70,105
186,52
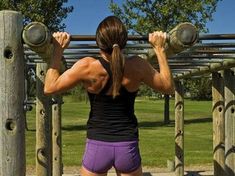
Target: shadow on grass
74,128
144,124
67,128
188,173
195,173
198,120
149,124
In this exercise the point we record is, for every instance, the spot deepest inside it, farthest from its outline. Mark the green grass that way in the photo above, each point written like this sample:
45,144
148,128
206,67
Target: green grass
156,139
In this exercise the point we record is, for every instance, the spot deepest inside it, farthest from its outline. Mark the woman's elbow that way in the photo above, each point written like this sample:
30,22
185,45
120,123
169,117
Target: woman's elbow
169,88
170,91
49,91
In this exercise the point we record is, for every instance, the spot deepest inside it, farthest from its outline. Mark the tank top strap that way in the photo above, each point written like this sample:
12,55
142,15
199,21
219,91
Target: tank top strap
109,83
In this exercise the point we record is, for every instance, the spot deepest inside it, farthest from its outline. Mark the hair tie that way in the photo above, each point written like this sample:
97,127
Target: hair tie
115,45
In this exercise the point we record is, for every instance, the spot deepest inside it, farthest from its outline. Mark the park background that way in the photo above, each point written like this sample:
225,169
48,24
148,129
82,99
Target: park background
88,13
156,137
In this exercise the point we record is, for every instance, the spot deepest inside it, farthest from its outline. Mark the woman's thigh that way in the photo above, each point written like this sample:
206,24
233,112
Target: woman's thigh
137,172
85,172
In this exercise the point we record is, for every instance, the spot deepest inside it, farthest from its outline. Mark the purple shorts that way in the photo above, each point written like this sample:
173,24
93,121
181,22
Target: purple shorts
100,156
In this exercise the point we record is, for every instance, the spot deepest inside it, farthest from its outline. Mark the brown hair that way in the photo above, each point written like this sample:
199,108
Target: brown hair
111,37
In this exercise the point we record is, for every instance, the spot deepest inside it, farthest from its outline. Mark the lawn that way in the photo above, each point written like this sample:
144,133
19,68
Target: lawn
156,139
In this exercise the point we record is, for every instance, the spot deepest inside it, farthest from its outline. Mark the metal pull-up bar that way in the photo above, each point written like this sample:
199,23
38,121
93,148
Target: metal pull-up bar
35,33
37,36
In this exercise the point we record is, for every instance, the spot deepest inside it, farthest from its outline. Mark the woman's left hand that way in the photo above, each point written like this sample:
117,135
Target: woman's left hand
157,39
61,40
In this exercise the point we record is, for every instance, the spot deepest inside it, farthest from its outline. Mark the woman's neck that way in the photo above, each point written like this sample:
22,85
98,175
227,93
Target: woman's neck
105,55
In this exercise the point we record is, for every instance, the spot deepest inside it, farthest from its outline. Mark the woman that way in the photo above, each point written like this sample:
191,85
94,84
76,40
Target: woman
112,83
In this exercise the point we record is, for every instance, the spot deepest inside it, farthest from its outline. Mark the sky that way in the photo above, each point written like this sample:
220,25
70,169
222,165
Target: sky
88,13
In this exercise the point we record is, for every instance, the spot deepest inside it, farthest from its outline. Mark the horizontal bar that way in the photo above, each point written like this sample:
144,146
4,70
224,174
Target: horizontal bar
171,62
94,46
216,36
147,45
87,52
209,69
93,37
145,37
225,56
213,45
198,51
77,57
194,60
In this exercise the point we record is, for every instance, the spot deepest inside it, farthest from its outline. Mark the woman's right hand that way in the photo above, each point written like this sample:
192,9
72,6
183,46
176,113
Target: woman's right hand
157,39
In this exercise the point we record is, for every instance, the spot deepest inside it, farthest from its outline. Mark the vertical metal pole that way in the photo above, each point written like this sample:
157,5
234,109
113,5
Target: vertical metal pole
218,123
56,136
12,116
166,109
43,125
179,129
229,95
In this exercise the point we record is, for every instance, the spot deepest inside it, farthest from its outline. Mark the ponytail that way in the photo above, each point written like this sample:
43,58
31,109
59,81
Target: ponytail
111,37
117,68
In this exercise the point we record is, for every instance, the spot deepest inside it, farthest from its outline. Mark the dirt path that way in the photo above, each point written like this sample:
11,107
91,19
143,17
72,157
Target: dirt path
194,170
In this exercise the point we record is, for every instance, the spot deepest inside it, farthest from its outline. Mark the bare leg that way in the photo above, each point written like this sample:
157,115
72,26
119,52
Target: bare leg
85,172
137,172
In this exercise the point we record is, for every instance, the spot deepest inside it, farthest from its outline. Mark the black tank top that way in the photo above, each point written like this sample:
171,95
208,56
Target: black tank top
112,119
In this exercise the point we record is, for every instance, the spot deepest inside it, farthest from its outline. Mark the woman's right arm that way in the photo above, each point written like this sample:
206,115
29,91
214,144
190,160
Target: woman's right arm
159,80
56,82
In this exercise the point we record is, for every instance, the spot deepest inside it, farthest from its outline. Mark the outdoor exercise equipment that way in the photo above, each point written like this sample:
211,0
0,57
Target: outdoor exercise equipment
37,36
198,59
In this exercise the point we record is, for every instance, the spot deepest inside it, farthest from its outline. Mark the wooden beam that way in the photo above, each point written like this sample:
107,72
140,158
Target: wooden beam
229,63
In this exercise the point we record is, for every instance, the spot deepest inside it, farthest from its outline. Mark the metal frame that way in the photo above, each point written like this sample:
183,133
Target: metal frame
208,50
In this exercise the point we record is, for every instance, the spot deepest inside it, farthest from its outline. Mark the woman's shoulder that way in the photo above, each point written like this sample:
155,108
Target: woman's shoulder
136,61
86,61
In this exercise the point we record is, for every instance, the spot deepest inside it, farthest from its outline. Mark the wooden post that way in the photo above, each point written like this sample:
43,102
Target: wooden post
229,95
166,109
56,136
179,129
43,125
12,116
218,123
37,36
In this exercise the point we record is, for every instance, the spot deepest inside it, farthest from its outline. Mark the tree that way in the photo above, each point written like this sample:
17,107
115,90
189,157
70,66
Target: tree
49,12
199,88
144,16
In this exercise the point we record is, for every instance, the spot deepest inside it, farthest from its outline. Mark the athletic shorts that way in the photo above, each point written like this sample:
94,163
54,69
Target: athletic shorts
100,156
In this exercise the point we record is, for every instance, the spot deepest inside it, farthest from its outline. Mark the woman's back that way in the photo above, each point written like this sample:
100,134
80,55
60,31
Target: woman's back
112,119
97,75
